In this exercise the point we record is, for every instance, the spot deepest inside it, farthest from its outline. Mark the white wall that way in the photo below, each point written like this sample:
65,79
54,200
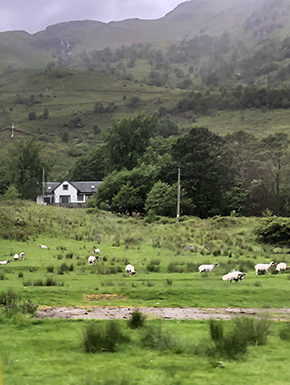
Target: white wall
71,192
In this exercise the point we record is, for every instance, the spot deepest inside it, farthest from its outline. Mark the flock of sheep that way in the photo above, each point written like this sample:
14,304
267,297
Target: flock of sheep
238,275
231,276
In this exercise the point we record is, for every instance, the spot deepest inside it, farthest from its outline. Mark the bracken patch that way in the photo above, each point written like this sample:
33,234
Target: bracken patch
103,297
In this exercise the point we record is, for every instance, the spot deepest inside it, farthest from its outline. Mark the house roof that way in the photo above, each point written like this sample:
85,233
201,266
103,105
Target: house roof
82,187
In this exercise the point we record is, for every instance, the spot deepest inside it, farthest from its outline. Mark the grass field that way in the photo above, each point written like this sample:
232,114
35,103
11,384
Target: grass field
50,351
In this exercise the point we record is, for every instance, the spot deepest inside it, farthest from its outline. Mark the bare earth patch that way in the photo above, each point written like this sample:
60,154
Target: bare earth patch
109,313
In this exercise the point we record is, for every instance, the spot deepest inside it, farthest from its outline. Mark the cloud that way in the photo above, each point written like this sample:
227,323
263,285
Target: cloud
36,15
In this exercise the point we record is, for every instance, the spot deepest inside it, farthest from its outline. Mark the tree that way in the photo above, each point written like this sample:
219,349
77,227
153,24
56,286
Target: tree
127,141
90,167
25,168
204,174
114,192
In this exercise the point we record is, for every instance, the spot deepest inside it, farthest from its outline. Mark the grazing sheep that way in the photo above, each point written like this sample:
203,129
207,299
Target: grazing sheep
265,267
43,246
22,256
96,251
92,259
130,269
205,268
234,276
16,257
5,262
281,267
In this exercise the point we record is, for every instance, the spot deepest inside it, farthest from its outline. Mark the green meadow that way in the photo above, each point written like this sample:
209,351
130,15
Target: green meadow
51,351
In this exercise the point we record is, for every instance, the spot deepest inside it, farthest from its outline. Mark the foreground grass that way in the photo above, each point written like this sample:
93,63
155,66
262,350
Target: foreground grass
50,351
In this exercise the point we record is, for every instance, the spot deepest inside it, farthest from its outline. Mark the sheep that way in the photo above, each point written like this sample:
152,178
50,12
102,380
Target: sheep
16,257
130,269
96,251
92,259
205,268
281,267
5,262
22,255
264,267
234,276
43,246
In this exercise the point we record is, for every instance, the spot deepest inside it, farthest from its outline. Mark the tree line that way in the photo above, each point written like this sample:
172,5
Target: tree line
237,174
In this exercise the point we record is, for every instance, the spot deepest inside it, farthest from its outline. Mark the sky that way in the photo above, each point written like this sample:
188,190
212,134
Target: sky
35,15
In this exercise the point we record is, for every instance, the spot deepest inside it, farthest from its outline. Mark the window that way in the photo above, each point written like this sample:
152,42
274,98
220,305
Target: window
46,199
65,186
80,197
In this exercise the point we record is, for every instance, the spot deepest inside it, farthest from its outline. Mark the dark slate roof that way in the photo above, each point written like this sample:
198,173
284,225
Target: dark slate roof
82,187
86,187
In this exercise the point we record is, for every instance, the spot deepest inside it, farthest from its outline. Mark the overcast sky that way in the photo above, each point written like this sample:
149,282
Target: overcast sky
35,15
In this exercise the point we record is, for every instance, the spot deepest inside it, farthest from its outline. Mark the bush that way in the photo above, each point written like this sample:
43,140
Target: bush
284,333
153,337
136,320
234,343
97,337
50,269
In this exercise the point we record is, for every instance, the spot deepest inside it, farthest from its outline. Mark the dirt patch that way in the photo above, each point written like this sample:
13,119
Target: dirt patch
108,313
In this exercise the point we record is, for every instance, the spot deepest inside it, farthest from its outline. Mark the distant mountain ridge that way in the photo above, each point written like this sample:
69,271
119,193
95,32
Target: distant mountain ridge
245,20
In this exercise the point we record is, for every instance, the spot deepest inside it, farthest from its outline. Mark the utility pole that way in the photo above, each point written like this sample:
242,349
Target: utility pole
178,197
43,185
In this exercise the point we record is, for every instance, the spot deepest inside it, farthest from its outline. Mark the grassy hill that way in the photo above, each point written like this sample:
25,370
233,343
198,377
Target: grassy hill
70,97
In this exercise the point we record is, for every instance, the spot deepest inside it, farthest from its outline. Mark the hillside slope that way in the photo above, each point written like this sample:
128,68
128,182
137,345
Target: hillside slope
242,20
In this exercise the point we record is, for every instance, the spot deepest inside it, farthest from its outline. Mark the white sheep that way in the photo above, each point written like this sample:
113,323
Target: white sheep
265,267
205,268
16,257
22,255
96,251
234,276
92,259
5,262
130,269
281,267
43,246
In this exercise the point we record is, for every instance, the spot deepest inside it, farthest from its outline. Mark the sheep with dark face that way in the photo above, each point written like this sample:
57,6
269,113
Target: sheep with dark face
264,267
5,262
207,268
234,276
130,269
92,259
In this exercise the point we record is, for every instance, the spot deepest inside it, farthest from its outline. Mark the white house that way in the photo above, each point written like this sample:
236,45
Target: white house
66,192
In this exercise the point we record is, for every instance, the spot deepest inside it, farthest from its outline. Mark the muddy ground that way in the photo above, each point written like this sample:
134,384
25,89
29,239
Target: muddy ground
109,313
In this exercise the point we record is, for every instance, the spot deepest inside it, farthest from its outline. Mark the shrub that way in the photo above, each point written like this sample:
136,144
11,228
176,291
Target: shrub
153,337
284,333
174,267
97,337
50,269
153,268
136,320
50,282
69,255
234,343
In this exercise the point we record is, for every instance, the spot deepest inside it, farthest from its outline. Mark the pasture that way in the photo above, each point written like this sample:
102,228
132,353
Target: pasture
49,351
